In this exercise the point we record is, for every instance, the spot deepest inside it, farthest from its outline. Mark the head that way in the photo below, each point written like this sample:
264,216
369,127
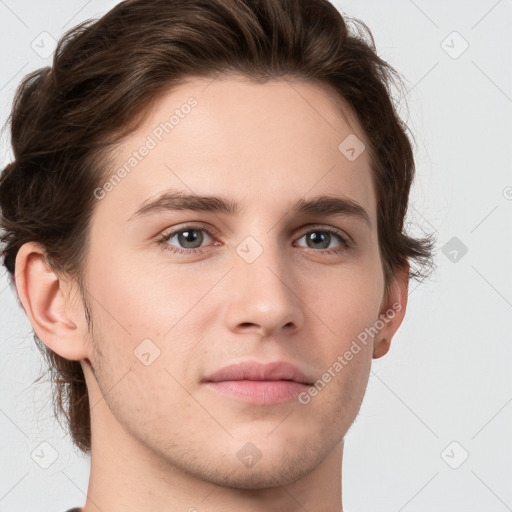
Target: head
265,97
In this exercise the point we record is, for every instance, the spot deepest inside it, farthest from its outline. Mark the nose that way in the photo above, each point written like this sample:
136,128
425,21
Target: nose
263,293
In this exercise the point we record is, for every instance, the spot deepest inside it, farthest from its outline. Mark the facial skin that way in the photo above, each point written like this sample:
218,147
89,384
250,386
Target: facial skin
161,439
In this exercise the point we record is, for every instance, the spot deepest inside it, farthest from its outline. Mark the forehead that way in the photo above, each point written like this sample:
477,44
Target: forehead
269,143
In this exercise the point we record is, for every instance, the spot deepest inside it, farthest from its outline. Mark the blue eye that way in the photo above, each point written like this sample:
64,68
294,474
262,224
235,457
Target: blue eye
191,238
325,238
187,236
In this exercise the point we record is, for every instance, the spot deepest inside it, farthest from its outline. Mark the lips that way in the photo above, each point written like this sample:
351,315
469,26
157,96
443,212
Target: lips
255,371
259,384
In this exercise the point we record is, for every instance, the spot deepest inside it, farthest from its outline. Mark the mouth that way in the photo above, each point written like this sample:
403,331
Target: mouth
258,383
263,392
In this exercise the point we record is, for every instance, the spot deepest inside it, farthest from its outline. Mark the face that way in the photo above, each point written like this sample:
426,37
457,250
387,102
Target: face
178,293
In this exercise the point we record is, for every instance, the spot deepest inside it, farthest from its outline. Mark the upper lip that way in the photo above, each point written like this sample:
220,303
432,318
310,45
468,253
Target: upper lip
253,370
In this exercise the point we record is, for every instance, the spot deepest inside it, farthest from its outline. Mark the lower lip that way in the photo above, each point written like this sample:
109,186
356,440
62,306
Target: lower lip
260,391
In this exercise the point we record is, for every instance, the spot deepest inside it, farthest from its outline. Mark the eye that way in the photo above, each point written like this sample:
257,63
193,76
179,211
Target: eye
321,238
189,237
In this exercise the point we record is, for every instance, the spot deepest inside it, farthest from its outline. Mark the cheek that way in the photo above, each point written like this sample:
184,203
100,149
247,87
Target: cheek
144,300
349,308
349,302
157,403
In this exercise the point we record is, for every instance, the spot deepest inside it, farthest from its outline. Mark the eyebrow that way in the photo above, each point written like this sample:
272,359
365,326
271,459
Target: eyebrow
173,200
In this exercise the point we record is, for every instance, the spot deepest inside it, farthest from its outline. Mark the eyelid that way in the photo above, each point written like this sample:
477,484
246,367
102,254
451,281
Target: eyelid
191,225
345,240
214,232
164,237
330,229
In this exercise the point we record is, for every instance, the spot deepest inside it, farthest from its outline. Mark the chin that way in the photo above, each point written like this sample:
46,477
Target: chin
261,476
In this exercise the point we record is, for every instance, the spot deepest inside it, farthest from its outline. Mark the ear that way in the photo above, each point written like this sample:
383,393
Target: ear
45,300
392,312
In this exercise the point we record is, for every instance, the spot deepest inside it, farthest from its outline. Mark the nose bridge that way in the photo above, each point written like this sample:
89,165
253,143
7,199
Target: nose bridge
262,282
262,260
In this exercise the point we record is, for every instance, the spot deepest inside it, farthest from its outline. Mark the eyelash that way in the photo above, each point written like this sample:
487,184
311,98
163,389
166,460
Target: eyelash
345,244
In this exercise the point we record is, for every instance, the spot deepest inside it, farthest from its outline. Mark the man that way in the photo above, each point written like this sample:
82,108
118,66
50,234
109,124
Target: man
220,196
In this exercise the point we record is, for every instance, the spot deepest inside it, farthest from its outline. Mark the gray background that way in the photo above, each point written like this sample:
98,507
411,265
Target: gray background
444,391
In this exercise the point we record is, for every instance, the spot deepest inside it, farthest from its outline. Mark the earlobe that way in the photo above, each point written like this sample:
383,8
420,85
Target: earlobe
381,347
392,312
43,297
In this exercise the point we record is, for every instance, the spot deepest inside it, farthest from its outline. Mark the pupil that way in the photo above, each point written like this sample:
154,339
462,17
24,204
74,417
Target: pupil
318,238
189,236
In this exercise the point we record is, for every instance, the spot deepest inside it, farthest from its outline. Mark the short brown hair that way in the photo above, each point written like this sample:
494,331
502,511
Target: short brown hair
106,74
